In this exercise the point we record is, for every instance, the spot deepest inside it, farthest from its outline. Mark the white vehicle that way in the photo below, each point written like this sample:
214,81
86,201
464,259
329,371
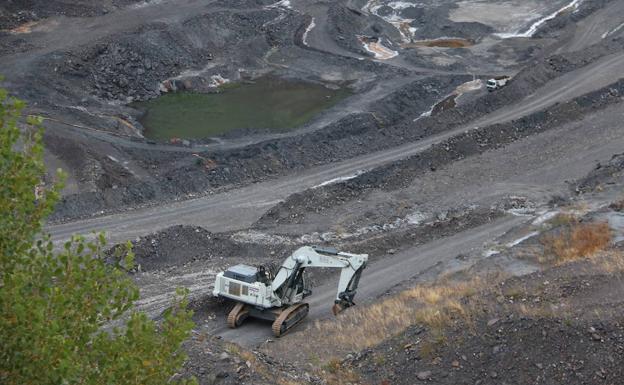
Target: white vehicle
497,82
278,298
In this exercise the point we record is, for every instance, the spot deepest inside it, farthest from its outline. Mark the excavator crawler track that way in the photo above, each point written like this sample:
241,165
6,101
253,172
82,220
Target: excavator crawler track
237,315
289,317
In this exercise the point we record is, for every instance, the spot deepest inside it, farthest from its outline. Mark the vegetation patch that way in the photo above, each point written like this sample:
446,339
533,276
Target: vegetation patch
582,240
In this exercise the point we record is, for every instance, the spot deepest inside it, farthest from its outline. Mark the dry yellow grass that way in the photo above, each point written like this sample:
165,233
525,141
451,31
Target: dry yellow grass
582,240
609,262
534,310
434,306
333,373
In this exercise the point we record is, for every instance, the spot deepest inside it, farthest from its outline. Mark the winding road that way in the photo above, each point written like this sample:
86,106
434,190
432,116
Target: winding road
241,207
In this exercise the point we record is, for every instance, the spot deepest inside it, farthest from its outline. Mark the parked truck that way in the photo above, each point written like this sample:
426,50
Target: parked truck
497,82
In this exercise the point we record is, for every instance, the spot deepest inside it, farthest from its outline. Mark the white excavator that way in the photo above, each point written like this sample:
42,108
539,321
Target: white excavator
278,297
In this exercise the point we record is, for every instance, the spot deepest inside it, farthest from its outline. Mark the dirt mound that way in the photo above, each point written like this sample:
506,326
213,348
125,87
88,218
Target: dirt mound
214,361
602,174
133,65
16,12
564,19
547,327
347,24
513,351
179,245
432,23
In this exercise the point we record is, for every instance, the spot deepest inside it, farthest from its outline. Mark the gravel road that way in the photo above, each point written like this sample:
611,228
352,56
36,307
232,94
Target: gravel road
239,208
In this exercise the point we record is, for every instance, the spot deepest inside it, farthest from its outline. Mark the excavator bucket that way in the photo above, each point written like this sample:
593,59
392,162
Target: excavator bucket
337,309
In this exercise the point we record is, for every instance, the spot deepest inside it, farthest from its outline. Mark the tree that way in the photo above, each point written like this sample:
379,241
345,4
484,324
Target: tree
58,308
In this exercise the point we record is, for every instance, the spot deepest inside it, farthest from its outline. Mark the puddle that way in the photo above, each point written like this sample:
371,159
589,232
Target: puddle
267,103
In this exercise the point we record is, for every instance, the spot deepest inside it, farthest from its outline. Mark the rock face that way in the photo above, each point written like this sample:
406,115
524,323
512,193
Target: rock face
568,346
601,174
134,66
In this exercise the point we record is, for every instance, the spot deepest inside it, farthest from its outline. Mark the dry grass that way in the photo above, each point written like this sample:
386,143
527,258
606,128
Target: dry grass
334,373
449,304
541,310
582,240
232,349
563,219
433,306
610,262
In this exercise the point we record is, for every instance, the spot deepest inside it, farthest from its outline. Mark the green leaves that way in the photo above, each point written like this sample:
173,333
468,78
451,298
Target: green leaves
59,304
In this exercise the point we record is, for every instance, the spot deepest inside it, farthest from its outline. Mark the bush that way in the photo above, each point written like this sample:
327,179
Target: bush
581,240
57,308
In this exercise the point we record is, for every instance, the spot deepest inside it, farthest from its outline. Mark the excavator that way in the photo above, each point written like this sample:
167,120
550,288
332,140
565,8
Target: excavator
278,297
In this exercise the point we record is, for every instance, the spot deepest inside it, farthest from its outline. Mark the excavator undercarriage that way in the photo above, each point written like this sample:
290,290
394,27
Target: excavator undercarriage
284,318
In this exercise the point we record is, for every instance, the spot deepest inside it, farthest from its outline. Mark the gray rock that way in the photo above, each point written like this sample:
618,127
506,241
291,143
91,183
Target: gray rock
423,376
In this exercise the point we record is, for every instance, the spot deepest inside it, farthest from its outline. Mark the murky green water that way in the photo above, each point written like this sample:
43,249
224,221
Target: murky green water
268,103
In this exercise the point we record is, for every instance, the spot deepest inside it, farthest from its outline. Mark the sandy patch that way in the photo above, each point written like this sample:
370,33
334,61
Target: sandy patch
380,51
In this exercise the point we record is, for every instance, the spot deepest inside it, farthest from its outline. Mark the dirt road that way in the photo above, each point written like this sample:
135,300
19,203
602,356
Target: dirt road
239,208
542,174
603,24
381,276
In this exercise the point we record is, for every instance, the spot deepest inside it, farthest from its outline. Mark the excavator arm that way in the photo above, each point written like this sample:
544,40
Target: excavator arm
347,287
290,273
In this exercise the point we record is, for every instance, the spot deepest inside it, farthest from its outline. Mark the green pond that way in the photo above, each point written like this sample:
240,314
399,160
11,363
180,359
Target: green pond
267,103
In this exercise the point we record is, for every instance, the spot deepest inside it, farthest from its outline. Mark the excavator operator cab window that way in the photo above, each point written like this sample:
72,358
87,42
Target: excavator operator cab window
263,275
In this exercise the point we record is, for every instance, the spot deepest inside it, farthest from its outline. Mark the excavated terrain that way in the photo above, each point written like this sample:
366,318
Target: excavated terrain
580,346
419,166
